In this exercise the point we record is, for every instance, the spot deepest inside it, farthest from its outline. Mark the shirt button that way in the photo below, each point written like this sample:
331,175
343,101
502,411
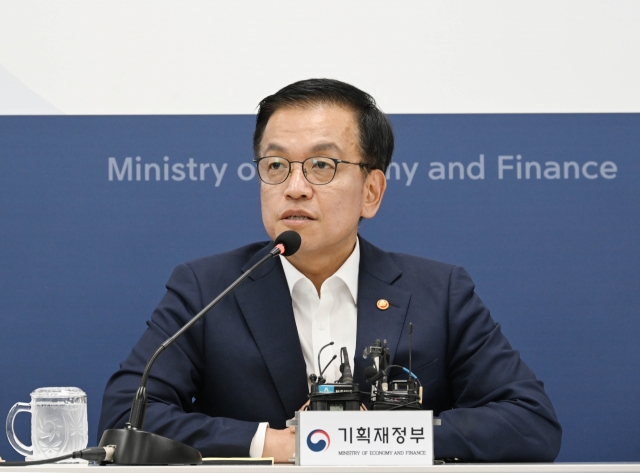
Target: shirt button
321,326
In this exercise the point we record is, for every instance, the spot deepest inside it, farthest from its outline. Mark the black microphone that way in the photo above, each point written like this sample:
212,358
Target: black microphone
410,346
345,367
372,374
341,395
136,447
321,378
289,242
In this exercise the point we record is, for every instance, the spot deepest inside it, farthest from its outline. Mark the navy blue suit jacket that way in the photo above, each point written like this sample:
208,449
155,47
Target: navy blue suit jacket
242,363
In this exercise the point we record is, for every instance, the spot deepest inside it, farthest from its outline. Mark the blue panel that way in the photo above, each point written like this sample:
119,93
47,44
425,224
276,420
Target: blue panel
83,259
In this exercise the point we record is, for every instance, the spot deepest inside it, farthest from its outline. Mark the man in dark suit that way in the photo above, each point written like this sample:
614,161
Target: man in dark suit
229,385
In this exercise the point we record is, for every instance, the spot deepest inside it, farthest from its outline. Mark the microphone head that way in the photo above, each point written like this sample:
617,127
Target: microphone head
290,240
370,372
373,379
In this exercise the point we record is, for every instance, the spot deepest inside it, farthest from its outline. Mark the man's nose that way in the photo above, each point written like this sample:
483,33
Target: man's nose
297,185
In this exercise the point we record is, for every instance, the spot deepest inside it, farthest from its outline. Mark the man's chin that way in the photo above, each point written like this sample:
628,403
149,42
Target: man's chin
304,228
281,227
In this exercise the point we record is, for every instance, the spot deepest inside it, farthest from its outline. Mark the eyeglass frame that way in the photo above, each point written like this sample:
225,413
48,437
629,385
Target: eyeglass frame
337,161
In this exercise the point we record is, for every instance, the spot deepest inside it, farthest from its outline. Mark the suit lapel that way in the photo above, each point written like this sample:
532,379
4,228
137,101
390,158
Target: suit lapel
265,302
377,273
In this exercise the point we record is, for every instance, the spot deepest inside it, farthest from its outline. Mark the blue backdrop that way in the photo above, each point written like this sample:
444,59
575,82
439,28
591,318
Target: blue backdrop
96,212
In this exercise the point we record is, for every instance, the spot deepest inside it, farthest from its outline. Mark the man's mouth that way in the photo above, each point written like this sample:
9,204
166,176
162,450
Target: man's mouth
297,217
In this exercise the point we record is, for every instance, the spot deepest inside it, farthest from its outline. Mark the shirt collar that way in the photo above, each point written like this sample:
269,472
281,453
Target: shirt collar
348,272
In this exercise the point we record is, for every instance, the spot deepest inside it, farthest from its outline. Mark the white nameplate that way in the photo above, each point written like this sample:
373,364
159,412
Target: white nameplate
325,438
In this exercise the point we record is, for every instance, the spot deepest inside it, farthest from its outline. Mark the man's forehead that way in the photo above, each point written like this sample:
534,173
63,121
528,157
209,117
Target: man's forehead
330,121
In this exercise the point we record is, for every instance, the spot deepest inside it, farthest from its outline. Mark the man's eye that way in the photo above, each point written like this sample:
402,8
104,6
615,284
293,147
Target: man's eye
322,164
276,166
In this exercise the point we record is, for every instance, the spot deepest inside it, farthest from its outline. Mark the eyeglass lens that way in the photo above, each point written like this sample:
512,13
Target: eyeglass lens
317,170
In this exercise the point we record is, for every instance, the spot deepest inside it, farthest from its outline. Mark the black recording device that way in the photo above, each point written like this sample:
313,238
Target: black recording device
342,395
398,394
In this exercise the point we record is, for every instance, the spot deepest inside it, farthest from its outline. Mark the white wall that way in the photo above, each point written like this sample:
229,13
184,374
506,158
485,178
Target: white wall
205,57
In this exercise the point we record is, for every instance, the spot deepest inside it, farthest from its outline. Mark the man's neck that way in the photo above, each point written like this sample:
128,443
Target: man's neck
319,268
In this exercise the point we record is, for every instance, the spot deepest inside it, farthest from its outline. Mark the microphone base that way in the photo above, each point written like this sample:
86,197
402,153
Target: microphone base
137,447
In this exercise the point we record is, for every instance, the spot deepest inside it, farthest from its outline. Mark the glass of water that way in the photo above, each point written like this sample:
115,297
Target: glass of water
58,423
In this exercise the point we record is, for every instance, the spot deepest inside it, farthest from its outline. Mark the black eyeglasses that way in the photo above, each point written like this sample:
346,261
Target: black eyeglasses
318,170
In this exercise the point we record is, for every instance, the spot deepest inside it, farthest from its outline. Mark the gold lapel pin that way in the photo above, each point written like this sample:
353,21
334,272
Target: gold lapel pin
383,304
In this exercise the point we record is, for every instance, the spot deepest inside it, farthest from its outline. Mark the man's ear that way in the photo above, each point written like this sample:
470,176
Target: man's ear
374,186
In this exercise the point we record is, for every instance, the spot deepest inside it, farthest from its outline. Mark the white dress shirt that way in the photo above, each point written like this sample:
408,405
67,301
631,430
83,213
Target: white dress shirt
331,316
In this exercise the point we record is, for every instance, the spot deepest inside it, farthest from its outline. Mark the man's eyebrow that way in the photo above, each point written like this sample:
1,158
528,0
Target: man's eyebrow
325,147
274,147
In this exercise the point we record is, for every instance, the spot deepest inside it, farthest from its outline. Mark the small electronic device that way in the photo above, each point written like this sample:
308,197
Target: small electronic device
398,394
342,395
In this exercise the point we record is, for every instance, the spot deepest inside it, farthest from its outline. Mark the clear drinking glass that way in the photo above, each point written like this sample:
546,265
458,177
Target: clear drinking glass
58,423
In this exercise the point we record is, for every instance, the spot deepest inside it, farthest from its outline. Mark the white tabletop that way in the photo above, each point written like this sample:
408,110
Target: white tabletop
447,468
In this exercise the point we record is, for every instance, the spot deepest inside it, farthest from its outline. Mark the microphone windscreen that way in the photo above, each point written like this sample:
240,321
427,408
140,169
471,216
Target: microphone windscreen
370,372
291,241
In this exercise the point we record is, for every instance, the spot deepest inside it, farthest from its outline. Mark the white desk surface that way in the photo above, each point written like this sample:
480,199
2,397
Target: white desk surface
447,468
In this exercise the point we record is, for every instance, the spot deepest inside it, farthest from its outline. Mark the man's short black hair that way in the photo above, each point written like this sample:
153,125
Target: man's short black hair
376,133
